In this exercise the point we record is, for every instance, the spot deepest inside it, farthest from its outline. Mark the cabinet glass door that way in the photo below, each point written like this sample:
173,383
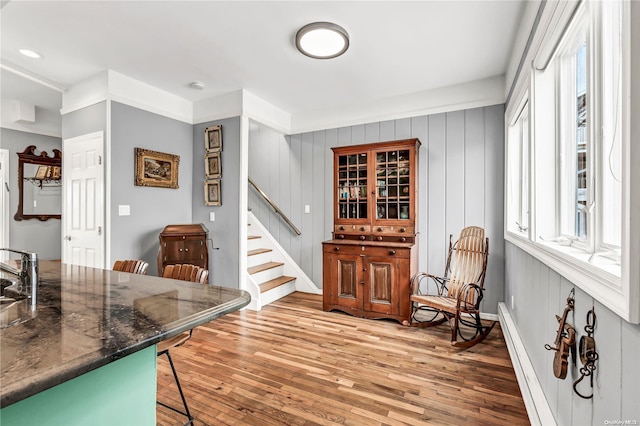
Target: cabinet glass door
352,186
393,194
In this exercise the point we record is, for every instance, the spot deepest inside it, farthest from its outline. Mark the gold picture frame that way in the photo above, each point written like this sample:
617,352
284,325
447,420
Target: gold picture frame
56,172
212,165
157,169
43,172
212,194
213,138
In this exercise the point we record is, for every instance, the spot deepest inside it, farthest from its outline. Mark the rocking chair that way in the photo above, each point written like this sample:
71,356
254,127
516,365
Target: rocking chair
459,291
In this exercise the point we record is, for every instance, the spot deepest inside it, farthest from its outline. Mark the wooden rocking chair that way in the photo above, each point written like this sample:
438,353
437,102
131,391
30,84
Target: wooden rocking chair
459,291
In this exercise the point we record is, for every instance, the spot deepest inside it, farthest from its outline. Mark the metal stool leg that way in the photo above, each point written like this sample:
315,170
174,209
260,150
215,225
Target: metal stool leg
184,401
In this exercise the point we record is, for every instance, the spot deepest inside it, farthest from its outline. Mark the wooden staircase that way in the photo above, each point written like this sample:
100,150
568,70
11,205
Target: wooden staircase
271,272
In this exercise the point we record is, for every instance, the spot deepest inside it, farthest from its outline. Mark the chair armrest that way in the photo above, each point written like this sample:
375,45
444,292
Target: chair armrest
466,295
440,282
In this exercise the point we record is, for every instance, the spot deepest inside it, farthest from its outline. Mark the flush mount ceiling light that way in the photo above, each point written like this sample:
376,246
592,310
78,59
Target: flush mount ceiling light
31,54
197,85
322,40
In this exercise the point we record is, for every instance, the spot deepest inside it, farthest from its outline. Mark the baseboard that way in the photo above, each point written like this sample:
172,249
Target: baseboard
534,400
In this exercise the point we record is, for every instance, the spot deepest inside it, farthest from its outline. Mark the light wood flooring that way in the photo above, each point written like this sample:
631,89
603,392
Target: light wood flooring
293,364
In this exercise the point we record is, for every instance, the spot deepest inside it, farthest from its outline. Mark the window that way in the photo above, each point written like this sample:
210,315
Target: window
518,170
565,196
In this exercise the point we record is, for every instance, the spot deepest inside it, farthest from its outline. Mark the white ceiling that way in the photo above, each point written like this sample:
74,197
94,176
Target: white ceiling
397,48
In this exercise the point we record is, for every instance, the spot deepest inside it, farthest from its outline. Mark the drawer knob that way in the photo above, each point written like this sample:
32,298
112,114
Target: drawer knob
180,249
186,249
403,239
336,248
379,238
380,229
362,228
362,237
392,252
341,237
403,229
342,228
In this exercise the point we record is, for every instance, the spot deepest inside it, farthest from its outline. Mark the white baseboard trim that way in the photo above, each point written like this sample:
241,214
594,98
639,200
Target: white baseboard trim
534,400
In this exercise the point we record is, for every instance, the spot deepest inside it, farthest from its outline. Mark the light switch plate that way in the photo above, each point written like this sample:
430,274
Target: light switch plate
212,216
124,210
307,208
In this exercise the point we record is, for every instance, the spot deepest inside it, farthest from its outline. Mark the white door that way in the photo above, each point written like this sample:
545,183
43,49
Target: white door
4,200
83,195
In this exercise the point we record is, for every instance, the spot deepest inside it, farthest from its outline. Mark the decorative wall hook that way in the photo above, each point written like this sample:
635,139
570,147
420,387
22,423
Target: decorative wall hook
565,341
588,354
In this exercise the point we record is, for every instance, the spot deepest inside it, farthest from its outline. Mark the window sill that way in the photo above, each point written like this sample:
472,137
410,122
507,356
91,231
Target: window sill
600,277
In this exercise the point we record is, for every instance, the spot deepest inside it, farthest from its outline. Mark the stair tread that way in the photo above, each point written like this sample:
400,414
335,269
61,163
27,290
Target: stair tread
253,237
263,267
258,251
276,282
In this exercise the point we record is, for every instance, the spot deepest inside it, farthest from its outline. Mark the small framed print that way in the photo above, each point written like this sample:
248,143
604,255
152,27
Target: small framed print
212,195
213,138
212,165
42,172
56,173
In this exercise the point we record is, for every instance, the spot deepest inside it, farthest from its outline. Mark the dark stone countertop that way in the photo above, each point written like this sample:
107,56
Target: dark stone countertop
87,318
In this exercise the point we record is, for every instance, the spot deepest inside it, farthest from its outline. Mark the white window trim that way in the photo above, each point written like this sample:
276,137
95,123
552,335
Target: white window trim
615,285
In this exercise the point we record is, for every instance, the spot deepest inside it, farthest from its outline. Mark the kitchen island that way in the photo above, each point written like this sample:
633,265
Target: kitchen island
88,354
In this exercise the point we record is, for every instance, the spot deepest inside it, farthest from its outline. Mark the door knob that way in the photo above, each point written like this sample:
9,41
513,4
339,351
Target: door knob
67,237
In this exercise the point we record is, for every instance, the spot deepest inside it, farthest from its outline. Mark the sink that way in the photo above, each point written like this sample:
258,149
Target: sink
15,306
14,312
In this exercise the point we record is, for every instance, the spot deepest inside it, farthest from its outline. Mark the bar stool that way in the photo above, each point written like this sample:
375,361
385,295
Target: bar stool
191,273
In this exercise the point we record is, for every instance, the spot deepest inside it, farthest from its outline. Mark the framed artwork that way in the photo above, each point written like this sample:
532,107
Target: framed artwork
213,138
42,172
155,168
212,195
212,165
56,172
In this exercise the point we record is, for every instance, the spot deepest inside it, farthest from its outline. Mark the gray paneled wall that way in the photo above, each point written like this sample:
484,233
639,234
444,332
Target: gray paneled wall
539,293
32,235
136,236
224,232
460,184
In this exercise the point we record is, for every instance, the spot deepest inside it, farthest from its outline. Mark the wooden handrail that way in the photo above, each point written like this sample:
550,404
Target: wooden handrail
276,208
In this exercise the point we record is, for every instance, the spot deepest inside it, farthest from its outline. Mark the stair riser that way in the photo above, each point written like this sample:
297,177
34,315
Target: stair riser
258,259
254,243
267,275
278,292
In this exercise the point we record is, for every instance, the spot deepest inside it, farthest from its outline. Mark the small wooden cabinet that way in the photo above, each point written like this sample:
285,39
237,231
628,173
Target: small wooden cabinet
183,244
368,264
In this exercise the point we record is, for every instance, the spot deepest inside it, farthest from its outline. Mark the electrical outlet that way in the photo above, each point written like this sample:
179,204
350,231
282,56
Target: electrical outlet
513,302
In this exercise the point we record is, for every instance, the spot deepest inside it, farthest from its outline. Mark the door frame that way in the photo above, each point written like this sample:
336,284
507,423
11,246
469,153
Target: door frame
65,165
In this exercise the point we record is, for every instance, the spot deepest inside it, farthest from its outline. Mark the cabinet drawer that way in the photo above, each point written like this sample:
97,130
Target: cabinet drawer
352,229
407,231
369,251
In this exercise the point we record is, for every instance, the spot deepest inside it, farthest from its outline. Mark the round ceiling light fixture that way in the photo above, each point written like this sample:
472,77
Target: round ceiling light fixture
198,85
31,54
322,40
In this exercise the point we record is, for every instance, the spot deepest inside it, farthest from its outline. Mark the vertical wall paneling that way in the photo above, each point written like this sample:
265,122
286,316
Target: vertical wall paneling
273,189
540,294
453,183
419,128
318,199
306,182
493,195
455,173
296,193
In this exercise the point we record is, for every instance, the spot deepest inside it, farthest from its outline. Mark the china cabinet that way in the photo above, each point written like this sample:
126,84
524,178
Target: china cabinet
369,262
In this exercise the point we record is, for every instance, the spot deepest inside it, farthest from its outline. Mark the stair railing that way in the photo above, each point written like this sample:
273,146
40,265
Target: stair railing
276,208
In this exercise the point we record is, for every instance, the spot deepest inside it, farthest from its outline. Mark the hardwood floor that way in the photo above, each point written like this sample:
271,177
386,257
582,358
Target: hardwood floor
293,364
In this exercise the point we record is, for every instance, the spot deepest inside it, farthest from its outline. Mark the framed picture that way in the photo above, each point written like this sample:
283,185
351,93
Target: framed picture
212,195
42,172
56,173
212,165
213,138
155,168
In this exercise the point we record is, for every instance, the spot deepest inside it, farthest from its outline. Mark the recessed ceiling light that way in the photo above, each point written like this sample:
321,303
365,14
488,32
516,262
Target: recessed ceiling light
197,85
31,54
322,40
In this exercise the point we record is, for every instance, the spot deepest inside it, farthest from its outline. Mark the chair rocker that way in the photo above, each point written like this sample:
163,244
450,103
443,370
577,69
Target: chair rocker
459,291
